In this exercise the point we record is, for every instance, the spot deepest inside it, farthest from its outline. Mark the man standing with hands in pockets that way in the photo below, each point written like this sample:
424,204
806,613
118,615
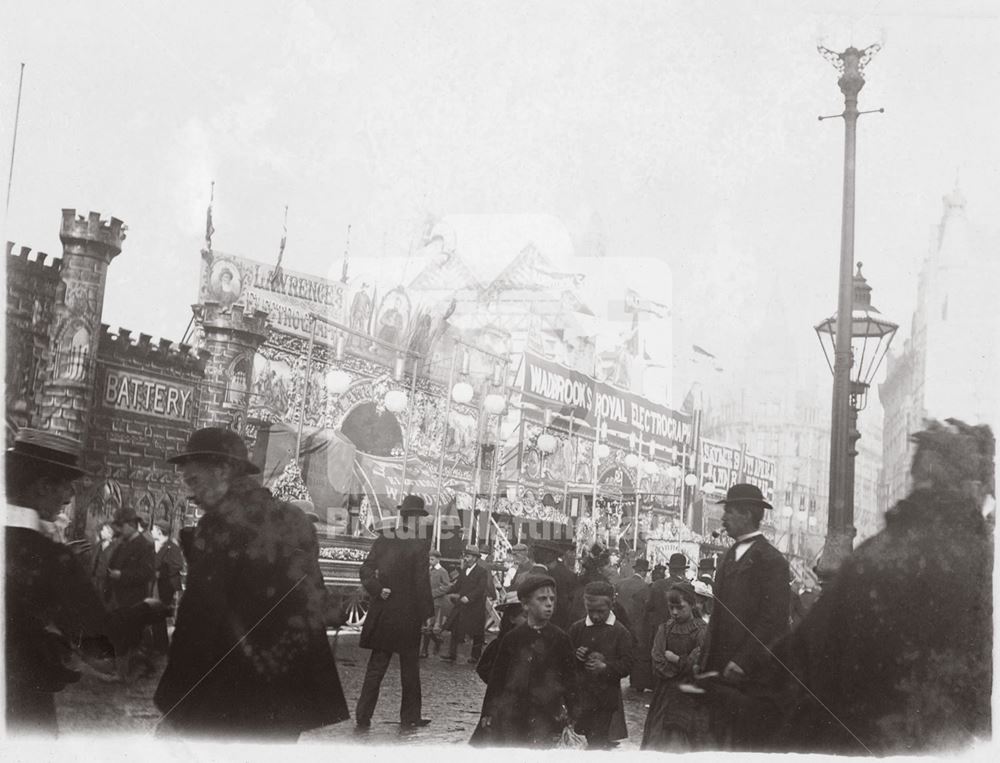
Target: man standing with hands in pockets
395,576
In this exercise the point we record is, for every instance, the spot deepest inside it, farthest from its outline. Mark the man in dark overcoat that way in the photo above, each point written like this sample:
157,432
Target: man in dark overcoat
751,612
249,656
131,574
395,576
633,594
468,617
550,553
50,604
169,566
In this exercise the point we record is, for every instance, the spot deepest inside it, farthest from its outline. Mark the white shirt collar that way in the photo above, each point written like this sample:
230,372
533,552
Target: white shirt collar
437,566
748,537
20,516
610,621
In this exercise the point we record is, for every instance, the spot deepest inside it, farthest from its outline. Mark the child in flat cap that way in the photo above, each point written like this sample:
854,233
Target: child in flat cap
531,693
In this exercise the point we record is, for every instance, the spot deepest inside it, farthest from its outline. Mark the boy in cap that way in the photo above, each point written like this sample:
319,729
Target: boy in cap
131,572
440,583
603,650
531,692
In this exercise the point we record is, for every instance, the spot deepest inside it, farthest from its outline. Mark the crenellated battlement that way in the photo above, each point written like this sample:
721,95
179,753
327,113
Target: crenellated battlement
162,352
214,315
39,263
92,233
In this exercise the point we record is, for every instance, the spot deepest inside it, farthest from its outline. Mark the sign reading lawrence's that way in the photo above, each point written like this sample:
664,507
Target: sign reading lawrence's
134,393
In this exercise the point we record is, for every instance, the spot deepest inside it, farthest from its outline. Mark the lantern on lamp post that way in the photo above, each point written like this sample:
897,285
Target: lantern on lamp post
869,335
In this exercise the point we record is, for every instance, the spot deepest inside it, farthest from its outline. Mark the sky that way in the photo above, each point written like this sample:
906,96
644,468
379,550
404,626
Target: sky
685,131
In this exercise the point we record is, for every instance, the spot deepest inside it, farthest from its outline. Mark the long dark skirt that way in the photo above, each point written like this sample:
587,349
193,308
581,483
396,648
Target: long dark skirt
677,722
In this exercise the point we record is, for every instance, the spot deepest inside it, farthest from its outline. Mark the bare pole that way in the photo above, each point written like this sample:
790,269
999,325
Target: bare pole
13,147
412,403
444,444
305,390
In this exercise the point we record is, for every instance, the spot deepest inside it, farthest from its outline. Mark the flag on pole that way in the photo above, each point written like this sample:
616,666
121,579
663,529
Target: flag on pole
276,273
209,228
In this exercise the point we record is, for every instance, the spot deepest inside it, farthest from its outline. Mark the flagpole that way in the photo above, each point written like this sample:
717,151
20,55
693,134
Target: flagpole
13,147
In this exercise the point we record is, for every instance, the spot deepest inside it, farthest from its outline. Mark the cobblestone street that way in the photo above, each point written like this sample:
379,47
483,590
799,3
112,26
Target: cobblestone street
452,698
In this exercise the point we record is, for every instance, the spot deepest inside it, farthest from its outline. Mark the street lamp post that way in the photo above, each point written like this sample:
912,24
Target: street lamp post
868,338
840,531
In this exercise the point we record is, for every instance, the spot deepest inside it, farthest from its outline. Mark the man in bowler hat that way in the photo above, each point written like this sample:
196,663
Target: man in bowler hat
468,616
131,573
395,577
249,657
50,602
750,613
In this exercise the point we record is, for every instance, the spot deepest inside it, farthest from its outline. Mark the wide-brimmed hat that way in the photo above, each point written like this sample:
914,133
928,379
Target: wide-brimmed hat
745,493
216,442
412,506
677,560
58,452
703,589
473,550
641,564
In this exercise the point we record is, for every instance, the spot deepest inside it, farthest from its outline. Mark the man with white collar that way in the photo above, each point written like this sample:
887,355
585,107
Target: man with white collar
50,603
751,597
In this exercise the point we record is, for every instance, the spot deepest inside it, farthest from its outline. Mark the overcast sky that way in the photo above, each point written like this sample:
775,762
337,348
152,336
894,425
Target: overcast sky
680,130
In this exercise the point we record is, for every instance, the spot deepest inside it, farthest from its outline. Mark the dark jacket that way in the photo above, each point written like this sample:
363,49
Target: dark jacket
469,618
253,583
601,691
99,570
401,565
899,647
566,589
46,587
169,564
752,609
136,559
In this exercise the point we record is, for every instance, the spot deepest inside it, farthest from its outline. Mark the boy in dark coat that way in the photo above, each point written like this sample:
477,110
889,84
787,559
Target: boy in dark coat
395,576
532,688
603,649
468,618
249,656
131,573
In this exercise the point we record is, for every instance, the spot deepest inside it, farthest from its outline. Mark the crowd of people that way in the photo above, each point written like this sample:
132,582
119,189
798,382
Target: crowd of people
894,656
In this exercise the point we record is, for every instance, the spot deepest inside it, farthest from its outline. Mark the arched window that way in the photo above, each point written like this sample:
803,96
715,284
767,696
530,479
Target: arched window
238,379
73,354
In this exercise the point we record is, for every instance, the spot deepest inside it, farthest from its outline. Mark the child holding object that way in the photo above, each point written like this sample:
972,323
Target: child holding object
676,721
531,691
603,650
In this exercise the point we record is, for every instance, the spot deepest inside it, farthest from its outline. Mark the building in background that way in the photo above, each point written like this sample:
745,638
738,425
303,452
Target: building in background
949,366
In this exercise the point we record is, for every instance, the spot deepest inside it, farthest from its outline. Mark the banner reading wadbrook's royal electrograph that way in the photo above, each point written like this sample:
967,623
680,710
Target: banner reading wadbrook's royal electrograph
567,392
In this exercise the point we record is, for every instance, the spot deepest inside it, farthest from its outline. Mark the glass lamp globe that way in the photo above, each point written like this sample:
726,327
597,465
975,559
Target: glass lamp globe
395,401
547,443
690,480
708,487
787,512
492,403
603,451
651,468
338,381
462,392
675,472
631,460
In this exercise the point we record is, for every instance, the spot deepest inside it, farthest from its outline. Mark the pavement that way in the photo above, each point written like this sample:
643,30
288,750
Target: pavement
452,698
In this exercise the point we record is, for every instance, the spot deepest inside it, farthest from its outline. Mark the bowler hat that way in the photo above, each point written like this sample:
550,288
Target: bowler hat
472,550
58,453
641,564
745,493
677,561
216,442
519,547
532,583
412,506
708,563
